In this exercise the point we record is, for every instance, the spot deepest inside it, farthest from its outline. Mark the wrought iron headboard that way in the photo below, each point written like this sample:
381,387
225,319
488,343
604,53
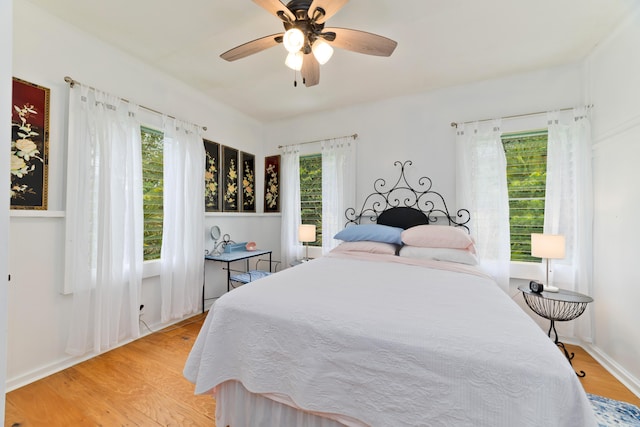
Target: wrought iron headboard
402,195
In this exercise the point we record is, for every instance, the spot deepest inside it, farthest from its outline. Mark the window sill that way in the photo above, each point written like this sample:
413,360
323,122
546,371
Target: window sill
151,268
525,270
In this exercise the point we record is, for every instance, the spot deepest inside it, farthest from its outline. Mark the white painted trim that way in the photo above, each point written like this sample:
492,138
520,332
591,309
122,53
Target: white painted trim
36,214
241,214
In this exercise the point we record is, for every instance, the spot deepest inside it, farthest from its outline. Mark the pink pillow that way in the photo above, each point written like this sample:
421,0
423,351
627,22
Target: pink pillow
438,236
367,246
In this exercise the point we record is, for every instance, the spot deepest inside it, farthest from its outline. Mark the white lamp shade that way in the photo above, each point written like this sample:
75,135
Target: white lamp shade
322,51
547,246
307,233
293,40
294,60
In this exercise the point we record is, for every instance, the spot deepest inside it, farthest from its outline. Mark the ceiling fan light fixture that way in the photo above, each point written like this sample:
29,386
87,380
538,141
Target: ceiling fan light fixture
293,40
294,60
322,51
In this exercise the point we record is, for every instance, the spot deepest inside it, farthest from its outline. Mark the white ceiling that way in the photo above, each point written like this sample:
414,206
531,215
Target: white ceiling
440,43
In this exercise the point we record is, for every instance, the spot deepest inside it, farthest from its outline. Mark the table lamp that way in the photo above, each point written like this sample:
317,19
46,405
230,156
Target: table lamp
548,246
306,234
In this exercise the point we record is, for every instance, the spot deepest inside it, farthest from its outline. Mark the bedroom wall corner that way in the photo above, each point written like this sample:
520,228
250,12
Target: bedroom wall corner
614,87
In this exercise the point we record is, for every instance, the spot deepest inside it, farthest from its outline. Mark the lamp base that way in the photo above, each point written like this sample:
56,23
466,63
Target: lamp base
550,288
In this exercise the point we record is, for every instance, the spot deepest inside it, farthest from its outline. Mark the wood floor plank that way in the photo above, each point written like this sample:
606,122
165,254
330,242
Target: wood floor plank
80,391
138,389
156,370
42,405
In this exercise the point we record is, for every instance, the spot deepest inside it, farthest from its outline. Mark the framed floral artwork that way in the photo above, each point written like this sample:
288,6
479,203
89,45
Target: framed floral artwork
211,176
29,145
272,184
230,199
248,164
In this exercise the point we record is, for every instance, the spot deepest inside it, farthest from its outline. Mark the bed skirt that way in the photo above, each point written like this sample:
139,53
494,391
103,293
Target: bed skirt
238,407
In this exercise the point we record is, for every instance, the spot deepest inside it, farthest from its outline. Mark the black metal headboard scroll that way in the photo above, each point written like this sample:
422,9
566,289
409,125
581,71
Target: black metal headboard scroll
403,197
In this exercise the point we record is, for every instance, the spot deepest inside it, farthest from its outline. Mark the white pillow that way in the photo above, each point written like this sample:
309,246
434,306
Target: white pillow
367,246
438,236
461,256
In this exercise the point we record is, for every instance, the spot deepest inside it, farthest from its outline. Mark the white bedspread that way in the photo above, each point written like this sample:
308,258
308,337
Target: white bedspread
389,344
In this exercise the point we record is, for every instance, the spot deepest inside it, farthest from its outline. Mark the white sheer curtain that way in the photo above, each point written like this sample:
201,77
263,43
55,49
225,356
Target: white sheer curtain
482,189
291,248
569,204
182,256
104,220
338,186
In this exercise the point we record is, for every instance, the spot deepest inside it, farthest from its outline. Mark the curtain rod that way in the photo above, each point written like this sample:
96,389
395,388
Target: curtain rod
73,82
515,116
354,136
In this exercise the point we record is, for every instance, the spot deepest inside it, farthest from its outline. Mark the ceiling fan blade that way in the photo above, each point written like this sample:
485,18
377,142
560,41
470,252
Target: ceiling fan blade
310,70
252,47
329,7
276,8
360,41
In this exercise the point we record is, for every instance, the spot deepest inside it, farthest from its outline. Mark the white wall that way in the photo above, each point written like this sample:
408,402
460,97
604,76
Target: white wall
45,50
6,47
614,70
418,127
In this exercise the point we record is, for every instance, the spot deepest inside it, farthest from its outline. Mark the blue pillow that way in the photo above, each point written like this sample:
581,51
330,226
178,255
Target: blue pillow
371,232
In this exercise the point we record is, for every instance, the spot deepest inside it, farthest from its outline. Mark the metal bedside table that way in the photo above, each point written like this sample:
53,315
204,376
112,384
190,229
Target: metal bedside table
558,306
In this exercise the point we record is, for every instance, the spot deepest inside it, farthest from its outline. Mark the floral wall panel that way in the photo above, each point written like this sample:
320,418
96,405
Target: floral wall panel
229,191
272,184
248,164
29,145
211,176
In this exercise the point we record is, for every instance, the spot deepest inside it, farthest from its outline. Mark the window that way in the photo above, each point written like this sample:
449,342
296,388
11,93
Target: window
526,155
152,184
311,193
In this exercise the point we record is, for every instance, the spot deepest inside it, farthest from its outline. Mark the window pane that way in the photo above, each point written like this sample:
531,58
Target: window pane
152,183
311,193
526,180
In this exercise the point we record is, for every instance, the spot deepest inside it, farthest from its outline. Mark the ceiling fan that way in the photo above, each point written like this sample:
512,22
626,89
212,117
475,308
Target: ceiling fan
307,40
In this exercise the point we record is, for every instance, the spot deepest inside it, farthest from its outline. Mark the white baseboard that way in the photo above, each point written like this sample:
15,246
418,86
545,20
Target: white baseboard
67,362
621,374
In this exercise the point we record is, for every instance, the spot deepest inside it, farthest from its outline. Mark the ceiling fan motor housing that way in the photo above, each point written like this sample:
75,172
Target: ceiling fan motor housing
308,25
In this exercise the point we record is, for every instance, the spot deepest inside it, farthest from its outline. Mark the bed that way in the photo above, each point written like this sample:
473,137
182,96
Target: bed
397,326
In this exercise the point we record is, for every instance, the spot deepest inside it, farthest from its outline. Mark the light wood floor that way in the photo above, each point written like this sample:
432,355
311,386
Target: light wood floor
141,384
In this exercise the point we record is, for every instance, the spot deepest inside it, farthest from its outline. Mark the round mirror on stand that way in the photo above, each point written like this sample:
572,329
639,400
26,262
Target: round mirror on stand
214,232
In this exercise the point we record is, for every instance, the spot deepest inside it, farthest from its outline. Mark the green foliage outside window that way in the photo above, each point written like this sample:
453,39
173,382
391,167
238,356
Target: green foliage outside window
311,193
152,184
526,155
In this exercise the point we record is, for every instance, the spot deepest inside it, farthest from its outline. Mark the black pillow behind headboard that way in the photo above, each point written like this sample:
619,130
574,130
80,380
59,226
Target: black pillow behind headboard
402,217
